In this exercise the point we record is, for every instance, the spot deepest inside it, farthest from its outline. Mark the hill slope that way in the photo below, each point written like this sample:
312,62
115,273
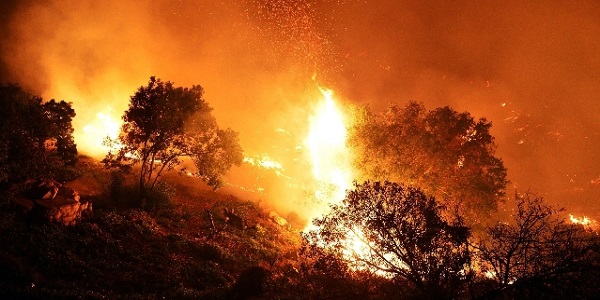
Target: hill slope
181,245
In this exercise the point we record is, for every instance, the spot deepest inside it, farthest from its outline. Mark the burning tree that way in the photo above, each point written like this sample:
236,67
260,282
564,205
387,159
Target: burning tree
165,123
539,251
397,232
448,154
36,138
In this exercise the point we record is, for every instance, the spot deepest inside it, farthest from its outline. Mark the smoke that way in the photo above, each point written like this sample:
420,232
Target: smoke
538,59
530,68
255,60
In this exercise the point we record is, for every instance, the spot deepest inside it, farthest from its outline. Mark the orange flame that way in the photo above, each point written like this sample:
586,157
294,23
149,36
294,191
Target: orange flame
329,155
332,167
585,221
104,125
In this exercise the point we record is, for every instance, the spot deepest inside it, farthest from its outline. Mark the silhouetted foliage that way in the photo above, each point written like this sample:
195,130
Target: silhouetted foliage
319,274
251,283
165,123
447,154
35,138
539,253
121,194
400,234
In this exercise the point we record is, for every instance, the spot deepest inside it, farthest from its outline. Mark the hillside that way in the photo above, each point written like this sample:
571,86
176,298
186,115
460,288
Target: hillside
189,242
179,246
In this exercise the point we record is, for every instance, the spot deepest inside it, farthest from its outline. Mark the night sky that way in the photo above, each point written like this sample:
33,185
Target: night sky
533,69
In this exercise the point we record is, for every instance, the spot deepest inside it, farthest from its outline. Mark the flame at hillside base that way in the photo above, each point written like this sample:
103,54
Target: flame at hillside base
310,175
585,221
324,147
92,136
99,109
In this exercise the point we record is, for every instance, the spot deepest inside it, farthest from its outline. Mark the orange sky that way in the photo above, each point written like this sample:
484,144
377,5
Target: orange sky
533,69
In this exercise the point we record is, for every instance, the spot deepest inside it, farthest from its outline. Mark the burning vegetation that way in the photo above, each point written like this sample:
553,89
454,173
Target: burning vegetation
289,189
378,238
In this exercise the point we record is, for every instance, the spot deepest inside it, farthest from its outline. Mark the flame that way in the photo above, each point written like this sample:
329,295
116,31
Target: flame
585,221
329,155
356,245
105,124
263,161
99,110
332,166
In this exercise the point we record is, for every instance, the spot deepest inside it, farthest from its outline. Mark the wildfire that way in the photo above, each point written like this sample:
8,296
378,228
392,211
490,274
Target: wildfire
263,161
105,124
266,162
330,158
585,221
332,166
355,243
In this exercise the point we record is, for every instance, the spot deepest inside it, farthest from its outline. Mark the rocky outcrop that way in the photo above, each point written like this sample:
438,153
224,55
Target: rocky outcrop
278,219
57,203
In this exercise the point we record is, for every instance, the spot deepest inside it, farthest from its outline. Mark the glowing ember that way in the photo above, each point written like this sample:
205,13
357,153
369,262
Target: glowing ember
263,161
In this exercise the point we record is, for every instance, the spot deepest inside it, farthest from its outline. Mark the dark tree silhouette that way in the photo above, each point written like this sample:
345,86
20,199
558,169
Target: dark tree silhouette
58,117
165,123
539,249
35,138
401,235
447,154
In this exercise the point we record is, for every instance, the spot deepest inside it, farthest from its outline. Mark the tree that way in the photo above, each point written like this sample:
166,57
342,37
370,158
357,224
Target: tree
58,117
397,232
447,154
165,123
35,138
539,249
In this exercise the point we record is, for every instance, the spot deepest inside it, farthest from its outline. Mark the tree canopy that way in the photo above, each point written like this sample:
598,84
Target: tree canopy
448,154
36,138
165,123
400,234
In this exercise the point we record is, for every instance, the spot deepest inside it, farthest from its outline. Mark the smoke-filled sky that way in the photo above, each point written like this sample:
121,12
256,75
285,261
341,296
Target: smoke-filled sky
533,69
